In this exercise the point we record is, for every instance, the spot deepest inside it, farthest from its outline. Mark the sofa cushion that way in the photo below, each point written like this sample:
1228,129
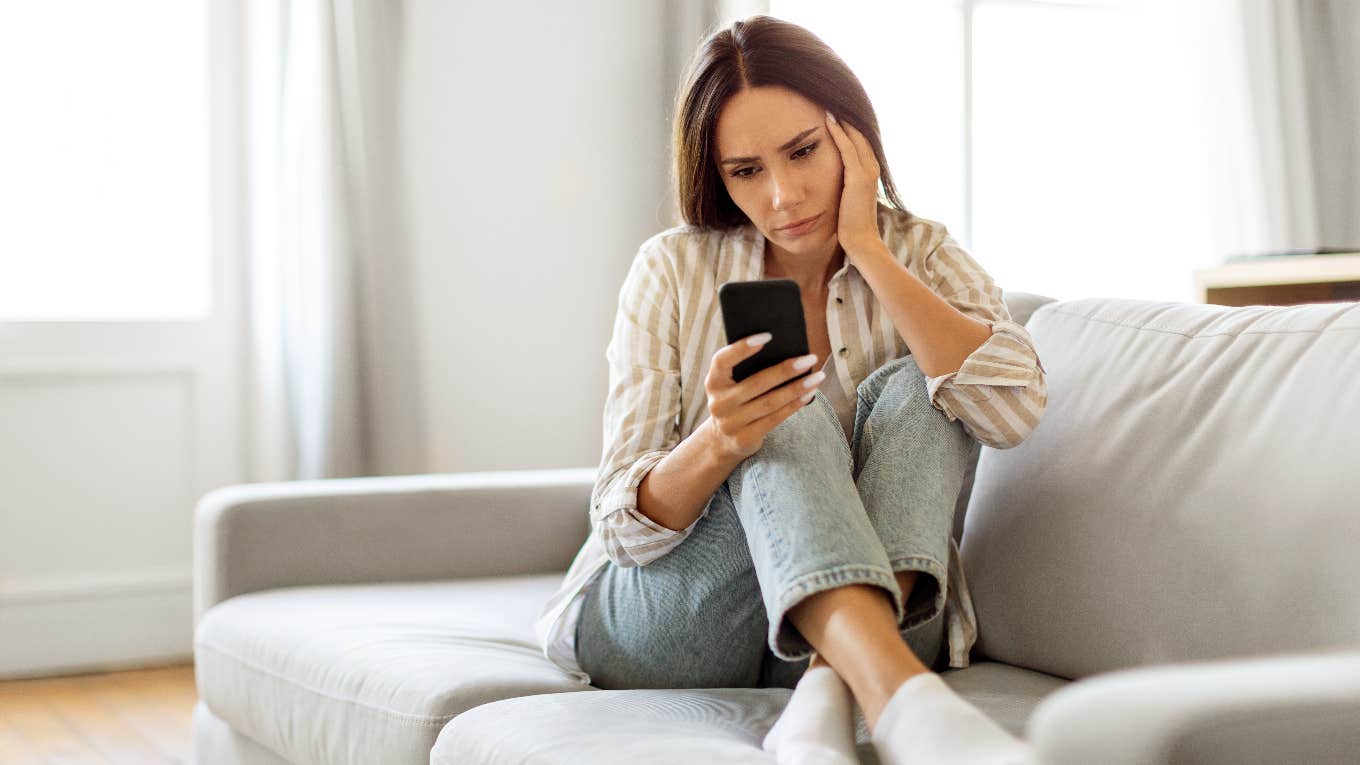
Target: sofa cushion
370,673
216,743
1020,305
1190,492
685,726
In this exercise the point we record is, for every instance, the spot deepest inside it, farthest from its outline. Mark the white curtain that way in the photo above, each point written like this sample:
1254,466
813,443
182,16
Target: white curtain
315,101
1331,44
1278,84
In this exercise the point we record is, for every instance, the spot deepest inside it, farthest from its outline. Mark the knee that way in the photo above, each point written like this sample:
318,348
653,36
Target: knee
879,377
895,399
818,413
817,420
901,373
901,383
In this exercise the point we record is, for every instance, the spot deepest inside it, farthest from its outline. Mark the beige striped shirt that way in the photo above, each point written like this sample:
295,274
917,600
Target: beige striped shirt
669,326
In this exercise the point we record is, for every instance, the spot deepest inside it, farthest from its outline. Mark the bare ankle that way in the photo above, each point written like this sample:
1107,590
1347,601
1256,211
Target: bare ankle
877,699
854,626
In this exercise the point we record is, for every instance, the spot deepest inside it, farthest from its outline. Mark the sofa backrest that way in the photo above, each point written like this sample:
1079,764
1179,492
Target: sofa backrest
1191,492
1021,306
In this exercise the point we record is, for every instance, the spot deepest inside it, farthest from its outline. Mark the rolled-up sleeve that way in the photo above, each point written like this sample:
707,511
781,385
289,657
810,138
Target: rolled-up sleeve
1000,391
641,412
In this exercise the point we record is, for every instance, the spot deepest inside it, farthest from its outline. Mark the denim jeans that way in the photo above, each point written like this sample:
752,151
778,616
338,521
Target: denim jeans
806,513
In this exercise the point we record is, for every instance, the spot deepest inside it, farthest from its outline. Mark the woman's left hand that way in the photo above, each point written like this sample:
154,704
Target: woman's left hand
858,226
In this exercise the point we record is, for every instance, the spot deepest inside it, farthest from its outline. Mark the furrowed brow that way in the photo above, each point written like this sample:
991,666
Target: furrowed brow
785,147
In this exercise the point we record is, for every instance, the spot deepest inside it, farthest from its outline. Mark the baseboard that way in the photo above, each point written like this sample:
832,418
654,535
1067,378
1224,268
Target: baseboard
95,622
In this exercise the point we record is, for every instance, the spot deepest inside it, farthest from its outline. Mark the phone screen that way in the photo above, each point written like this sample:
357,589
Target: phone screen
766,305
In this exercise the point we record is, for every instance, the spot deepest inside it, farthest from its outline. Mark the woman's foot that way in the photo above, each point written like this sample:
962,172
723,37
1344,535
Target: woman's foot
925,721
817,726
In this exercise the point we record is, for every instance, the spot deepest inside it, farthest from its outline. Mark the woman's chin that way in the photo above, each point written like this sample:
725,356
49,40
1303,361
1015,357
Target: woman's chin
824,246
807,247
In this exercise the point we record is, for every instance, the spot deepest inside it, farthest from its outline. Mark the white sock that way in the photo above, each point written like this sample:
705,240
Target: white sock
926,722
817,726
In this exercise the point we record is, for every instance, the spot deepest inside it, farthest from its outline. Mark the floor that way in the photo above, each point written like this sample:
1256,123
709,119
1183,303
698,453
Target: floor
135,716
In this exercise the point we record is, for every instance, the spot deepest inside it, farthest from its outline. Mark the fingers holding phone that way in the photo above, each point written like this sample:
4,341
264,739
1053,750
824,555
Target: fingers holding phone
749,388
743,412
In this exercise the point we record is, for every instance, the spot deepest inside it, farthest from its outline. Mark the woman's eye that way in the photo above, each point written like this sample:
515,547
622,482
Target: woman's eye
803,152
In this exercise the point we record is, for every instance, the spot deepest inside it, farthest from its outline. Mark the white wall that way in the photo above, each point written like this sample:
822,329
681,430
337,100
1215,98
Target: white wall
533,148
522,158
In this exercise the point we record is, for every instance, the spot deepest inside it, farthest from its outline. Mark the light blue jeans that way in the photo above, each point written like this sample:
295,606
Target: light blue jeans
806,513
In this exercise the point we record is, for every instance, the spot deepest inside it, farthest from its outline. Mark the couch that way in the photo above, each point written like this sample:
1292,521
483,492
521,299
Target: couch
1166,571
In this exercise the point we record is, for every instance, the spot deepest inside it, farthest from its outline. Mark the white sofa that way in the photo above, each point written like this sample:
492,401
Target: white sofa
1166,571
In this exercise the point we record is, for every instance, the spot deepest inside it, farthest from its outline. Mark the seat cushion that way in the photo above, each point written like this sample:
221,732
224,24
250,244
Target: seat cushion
371,673
685,726
216,743
1188,495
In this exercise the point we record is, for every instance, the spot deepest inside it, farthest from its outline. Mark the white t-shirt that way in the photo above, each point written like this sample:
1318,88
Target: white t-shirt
844,406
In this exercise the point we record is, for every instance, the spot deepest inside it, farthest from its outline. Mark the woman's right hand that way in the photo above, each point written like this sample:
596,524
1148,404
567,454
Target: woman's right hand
743,412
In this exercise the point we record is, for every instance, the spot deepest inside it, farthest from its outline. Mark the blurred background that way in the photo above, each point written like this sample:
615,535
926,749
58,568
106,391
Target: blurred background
274,240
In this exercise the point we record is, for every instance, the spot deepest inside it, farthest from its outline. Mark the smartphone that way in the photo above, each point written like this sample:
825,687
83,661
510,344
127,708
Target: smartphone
767,305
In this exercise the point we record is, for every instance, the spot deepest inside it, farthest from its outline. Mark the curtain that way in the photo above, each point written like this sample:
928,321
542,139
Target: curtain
317,106
1331,46
1277,83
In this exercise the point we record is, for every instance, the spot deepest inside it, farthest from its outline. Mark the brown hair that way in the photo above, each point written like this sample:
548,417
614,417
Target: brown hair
755,52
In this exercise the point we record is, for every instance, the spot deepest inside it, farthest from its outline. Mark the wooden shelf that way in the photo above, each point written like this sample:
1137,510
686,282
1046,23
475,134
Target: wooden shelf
1287,280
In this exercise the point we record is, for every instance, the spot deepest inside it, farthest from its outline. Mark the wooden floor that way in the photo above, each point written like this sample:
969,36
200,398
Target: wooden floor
137,716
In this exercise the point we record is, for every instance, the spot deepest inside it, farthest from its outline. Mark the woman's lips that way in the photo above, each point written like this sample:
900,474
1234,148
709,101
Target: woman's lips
802,228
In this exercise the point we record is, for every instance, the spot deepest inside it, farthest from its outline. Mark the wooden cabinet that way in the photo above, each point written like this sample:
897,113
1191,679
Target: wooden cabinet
1286,280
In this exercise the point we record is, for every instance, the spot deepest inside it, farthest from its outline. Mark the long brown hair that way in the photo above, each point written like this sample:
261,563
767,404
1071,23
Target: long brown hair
755,52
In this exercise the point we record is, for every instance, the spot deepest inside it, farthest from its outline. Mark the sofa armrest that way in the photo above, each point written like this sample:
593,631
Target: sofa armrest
261,536
1301,708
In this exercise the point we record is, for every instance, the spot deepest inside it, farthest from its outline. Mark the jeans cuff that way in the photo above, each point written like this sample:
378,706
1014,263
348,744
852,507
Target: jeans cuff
930,567
789,644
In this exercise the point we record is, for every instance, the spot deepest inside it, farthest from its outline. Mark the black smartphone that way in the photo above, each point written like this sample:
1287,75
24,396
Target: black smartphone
767,305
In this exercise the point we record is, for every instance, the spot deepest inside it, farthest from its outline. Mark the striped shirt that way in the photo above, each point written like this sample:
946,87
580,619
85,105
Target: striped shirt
669,326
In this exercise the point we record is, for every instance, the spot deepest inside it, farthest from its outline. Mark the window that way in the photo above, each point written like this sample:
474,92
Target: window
1080,179
909,56
105,150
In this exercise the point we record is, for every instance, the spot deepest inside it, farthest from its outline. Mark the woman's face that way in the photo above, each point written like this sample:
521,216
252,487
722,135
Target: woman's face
781,166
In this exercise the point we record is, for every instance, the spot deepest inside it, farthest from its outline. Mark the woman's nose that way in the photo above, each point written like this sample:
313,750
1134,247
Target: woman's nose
786,193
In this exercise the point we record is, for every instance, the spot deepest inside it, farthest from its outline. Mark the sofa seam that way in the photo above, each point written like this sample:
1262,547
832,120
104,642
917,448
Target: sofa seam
1145,327
426,720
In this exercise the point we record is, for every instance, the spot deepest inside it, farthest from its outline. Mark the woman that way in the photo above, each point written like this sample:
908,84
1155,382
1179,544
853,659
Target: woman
764,534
